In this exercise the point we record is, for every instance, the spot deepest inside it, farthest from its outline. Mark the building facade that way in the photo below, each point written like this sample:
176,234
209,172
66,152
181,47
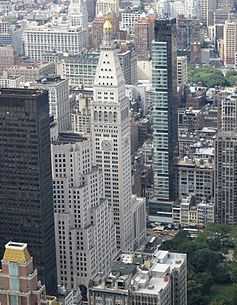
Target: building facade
164,76
143,36
26,197
111,137
196,177
182,72
85,231
106,7
230,42
139,278
19,282
225,163
42,40
59,104
80,69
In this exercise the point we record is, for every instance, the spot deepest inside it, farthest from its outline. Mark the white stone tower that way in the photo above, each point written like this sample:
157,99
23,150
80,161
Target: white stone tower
77,14
84,227
106,7
111,137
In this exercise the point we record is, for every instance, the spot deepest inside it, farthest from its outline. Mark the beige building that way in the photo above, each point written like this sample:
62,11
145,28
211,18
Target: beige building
230,42
182,72
195,176
7,57
106,7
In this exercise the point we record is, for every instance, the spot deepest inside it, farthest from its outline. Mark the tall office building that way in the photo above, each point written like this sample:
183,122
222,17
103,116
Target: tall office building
106,7
203,11
26,200
226,163
85,231
164,75
91,7
143,36
111,137
230,42
59,104
182,72
77,14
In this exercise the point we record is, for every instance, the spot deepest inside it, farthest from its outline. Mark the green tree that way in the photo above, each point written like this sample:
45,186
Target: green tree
231,77
208,77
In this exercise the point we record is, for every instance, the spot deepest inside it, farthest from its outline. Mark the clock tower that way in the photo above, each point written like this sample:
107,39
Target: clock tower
111,138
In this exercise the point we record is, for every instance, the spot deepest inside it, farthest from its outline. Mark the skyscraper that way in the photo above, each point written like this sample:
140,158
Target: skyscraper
230,42
77,14
164,76
59,103
143,36
85,231
26,202
105,7
225,190
111,137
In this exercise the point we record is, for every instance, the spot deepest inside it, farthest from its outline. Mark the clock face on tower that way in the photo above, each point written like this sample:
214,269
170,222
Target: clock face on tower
106,145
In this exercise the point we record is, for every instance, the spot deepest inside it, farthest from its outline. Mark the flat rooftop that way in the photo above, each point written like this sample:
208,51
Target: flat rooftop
21,92
69,137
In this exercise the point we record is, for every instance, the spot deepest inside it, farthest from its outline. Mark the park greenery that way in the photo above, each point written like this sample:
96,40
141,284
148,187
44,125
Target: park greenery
212,264
211,77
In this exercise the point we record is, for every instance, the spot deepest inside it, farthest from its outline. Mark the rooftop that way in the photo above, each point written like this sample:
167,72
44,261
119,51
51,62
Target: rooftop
141,272
20,92
69,137
16,252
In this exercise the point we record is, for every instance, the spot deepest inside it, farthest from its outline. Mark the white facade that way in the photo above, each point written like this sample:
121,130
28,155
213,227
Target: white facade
128,20
81,115
195,177
111,137
182,71
105,7
77,14
59,105
159,278
84,229
11,82
42,40
196,214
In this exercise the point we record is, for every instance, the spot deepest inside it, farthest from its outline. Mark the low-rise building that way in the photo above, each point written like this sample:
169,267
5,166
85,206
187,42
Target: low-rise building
194,213
141,278
195,176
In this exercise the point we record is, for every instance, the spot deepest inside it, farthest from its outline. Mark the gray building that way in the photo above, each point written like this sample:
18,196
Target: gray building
26,196
164,75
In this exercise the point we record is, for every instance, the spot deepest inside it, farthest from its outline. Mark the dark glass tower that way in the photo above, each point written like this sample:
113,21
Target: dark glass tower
164,83
26,201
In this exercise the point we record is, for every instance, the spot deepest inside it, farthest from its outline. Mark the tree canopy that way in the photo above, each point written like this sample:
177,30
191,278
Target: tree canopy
207,77
208,269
